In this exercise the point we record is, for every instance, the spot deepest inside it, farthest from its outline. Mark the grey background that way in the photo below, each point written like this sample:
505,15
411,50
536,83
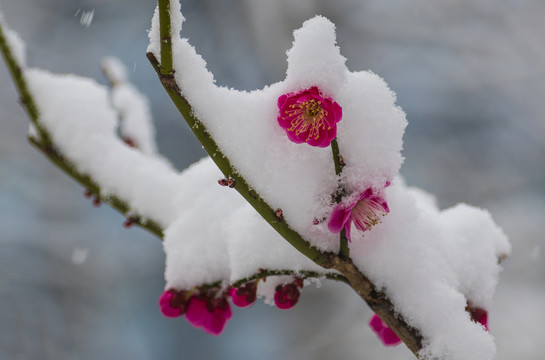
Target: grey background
469,74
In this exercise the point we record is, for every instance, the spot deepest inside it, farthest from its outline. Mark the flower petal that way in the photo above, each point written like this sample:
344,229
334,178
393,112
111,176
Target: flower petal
197,312
338,218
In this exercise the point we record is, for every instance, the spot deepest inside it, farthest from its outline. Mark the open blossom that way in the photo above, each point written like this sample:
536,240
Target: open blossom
384,333
365,212
309,117
208,314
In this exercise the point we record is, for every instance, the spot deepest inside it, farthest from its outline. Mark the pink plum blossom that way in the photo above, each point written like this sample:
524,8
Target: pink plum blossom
309,117
208,314
244,295
173,303
384,333
365,212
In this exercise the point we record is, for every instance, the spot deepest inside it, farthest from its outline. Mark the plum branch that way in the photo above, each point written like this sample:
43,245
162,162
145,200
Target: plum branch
43,142
377,300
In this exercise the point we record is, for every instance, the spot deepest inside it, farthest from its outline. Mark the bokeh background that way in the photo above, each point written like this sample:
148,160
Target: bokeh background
74,284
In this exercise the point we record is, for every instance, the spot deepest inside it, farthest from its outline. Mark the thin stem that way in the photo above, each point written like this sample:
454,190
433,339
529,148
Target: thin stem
90,184
337,158
344,250
166,37
26,98
301,274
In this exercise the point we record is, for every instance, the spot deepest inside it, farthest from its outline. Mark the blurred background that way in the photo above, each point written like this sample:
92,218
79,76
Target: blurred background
74,284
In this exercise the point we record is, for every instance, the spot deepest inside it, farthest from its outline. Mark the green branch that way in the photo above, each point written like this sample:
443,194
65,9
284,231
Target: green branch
165,26
265,273
301,274
377,300
344,251
26,98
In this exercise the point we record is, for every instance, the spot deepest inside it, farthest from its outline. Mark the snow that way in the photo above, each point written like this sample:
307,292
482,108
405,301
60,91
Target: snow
232,241
287,175
199,216
87,18
136,122
429,262
15,42
77,113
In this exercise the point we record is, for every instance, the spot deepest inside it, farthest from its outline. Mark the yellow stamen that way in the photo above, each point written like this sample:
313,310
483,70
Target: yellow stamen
308,116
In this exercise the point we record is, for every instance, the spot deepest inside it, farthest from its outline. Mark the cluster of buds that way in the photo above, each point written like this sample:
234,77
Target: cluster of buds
389,338
210,310
95,198
227,182
204,311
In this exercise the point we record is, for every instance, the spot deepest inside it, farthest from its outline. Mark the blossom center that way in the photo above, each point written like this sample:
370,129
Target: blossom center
308,116
367,213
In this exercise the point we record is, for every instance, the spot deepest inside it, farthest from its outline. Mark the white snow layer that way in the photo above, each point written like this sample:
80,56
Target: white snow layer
218,236
77,113
136,122
211,233
428,262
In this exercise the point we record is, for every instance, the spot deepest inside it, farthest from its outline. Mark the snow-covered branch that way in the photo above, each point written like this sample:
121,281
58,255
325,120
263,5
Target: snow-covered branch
403,267
96,136
316,159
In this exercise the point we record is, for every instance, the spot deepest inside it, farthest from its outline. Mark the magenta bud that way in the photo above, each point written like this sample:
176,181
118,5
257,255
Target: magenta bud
209,315
478,315
286,296
386,335
245,295
172,303
223,182
96,202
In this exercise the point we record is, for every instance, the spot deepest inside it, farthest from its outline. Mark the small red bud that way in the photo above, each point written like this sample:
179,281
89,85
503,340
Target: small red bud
129,141
223,182
298,282
87,193
128,223
231,183
279,214
96,202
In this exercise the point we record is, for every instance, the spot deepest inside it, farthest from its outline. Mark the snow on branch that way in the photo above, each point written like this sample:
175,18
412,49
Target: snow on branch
317,155
75,123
